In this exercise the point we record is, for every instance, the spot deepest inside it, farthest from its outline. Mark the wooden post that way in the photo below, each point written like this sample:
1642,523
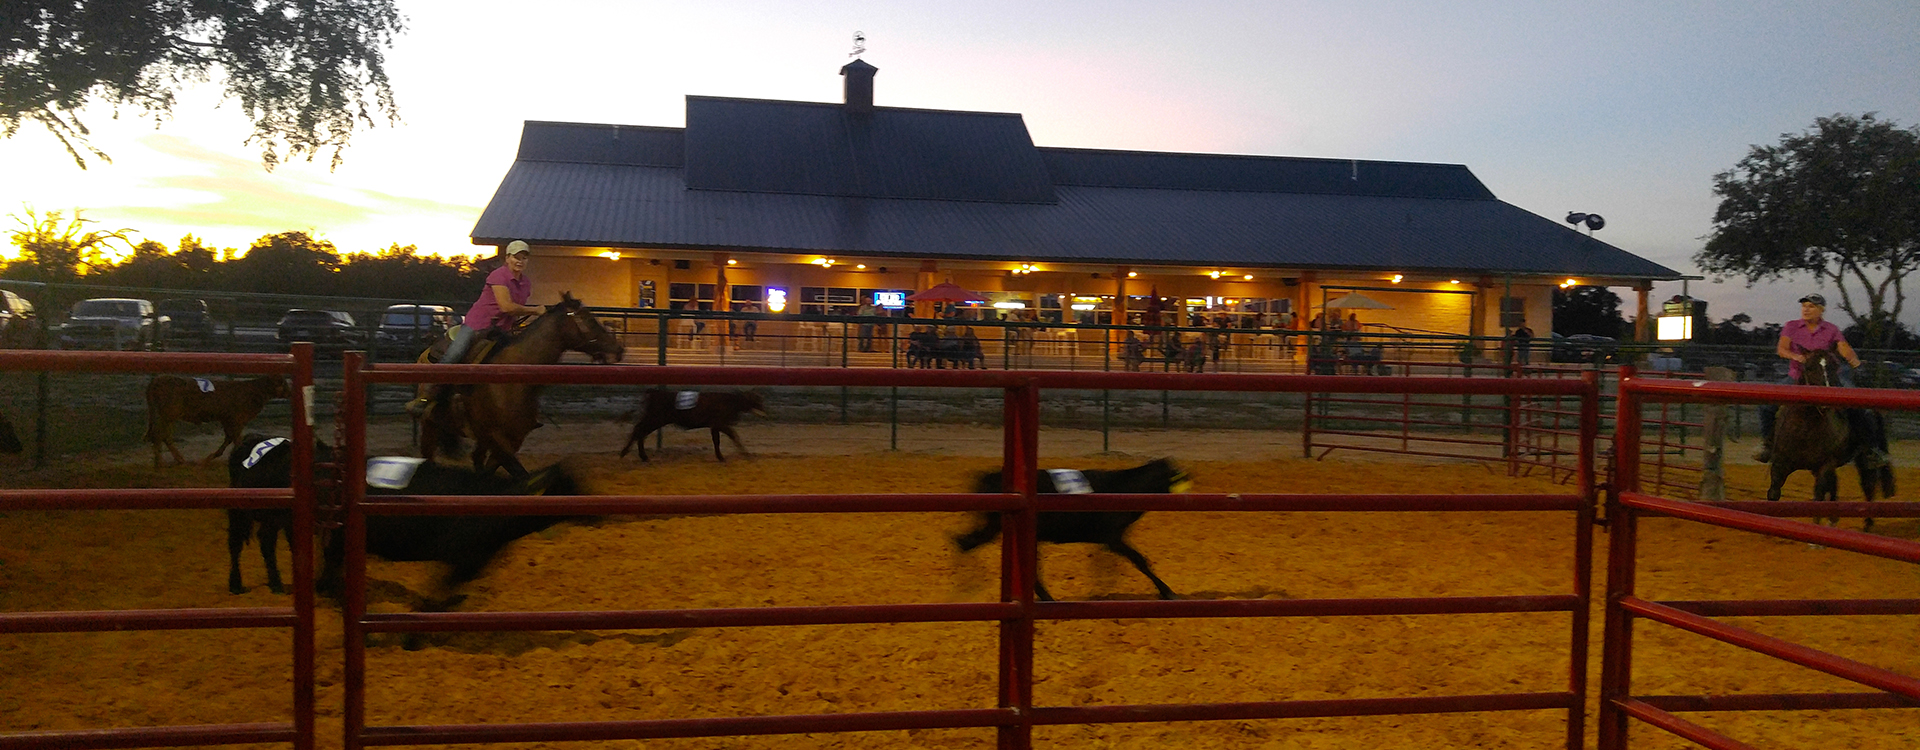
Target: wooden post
1713,474
722,301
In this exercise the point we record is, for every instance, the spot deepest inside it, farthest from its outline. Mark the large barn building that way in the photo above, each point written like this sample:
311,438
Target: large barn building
805,207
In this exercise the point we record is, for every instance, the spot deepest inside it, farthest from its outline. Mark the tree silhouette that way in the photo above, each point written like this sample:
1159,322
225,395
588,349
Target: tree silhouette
308,72
58,250
1841,202
1587,309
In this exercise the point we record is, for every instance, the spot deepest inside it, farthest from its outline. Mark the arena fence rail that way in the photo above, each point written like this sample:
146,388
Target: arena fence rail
298,367
1618,704
1015,715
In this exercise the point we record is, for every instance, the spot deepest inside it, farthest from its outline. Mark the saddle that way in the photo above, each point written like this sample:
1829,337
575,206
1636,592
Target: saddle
478,353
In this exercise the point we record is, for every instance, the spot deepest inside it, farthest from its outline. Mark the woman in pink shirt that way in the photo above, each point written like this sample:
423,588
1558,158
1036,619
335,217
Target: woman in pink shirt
1797,338
502,300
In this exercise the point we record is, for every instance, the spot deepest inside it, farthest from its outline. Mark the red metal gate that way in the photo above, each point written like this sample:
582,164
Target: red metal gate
1617,701
298,367
1015,715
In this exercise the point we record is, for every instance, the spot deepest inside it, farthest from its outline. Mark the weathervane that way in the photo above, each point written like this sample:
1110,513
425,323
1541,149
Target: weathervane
859,44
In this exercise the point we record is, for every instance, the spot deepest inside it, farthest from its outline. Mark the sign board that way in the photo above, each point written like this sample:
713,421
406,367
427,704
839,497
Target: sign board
890,300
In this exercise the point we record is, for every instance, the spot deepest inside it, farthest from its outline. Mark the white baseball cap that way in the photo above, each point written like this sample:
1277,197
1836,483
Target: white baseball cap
518,247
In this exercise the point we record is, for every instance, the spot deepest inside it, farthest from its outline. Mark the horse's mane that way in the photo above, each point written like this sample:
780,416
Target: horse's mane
567,304
1828,366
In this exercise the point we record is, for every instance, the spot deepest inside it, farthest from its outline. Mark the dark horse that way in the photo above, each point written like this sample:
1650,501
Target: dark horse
498,416
1106,528
1820,439
9,442
715,411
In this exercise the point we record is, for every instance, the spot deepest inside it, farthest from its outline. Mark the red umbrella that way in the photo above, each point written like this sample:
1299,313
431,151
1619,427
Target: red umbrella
946,291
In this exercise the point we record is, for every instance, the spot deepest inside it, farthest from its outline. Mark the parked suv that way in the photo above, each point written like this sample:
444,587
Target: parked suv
187,319
325,328
113,323
19,326
411,328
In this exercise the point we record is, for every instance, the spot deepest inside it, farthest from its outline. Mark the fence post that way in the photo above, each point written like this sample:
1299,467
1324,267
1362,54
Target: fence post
661,337
1713,435
1018,559
1616,659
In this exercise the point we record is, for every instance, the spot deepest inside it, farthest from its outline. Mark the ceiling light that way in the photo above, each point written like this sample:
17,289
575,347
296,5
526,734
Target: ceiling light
732,262
1396,278
1131,274
1215,274
1248,277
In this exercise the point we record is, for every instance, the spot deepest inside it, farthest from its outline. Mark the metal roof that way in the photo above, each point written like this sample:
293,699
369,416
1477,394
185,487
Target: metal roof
959,185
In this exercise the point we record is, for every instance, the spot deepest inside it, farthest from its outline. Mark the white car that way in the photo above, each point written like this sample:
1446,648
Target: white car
112,323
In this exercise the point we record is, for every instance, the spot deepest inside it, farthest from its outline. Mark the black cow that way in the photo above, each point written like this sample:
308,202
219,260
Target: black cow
717,411
1107,528
465,543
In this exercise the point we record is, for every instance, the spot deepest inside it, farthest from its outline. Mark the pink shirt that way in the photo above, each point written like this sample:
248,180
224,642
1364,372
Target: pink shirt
1803,339
486,311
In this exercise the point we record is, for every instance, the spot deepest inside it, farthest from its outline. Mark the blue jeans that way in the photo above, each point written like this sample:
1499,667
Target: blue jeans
462,341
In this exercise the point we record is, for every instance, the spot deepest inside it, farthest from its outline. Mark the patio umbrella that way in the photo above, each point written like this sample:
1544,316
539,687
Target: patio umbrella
946,291
1357,301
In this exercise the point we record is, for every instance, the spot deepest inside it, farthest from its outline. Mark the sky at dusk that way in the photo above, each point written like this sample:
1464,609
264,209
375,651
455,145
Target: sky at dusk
1625,109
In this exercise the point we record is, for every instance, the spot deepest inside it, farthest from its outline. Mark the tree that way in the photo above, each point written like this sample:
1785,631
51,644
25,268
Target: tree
1587,309
56,249
1841,202
400,272
307,72
287,263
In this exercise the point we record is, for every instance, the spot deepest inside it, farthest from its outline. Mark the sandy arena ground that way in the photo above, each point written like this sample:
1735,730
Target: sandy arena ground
69,560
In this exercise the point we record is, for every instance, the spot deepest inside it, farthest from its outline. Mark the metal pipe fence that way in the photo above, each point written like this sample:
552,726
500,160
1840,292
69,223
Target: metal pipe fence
299,499
1017,611
1624,605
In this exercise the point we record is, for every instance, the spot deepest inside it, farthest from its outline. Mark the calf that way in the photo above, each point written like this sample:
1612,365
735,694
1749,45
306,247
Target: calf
1108,528
465,543
232,403
688,410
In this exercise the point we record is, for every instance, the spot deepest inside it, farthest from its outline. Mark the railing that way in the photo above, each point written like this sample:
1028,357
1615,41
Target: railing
297,366
1618,703
1016,612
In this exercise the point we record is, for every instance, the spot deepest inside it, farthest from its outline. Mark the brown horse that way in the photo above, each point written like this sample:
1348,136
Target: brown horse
1820,439
498,416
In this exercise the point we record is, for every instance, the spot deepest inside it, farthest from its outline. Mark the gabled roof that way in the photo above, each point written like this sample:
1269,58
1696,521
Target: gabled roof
753,175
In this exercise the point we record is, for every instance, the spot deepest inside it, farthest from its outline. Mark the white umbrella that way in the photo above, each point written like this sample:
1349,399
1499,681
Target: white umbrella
1357,301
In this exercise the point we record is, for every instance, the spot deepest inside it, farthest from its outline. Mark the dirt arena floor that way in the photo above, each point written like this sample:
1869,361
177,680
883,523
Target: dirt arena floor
160,559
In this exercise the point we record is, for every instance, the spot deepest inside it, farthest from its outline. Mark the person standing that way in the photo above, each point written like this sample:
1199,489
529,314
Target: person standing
866,313
1523,344
1797,339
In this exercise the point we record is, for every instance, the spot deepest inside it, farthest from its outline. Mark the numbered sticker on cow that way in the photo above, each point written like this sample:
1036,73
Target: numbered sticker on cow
685,400
392,472
261,450
1070,482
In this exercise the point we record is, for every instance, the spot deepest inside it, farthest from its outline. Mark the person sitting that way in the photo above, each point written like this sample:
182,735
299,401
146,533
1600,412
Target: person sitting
1797,339
503,299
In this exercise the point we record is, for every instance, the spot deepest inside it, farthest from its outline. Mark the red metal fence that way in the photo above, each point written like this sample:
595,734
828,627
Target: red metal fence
297,366
1624,606
1014,714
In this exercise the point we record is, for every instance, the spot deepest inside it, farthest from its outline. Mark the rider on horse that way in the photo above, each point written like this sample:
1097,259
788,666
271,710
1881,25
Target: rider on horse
1797,339
502,300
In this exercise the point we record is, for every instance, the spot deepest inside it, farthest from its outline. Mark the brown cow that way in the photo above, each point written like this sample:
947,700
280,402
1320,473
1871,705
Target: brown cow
715,411
232,403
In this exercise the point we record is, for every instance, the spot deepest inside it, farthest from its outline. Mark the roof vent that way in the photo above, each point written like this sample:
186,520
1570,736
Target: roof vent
859,86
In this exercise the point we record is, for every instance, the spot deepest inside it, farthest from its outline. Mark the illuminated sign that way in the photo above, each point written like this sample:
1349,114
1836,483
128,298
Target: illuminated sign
776,300
1674,327
890,300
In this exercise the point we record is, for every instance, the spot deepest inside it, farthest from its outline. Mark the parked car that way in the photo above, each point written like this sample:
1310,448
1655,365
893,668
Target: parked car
325,328
1886,374
1583,347
113,323
411,328
19,326
187,319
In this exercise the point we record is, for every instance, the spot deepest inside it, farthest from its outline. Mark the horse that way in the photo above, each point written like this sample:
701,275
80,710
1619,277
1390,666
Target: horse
498,416
689,410
1820,439
1106,528
232,403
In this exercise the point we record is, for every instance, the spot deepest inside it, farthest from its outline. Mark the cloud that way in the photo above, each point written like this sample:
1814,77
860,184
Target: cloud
213,190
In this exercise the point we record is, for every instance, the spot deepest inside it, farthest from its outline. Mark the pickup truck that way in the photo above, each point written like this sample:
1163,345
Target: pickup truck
112,323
